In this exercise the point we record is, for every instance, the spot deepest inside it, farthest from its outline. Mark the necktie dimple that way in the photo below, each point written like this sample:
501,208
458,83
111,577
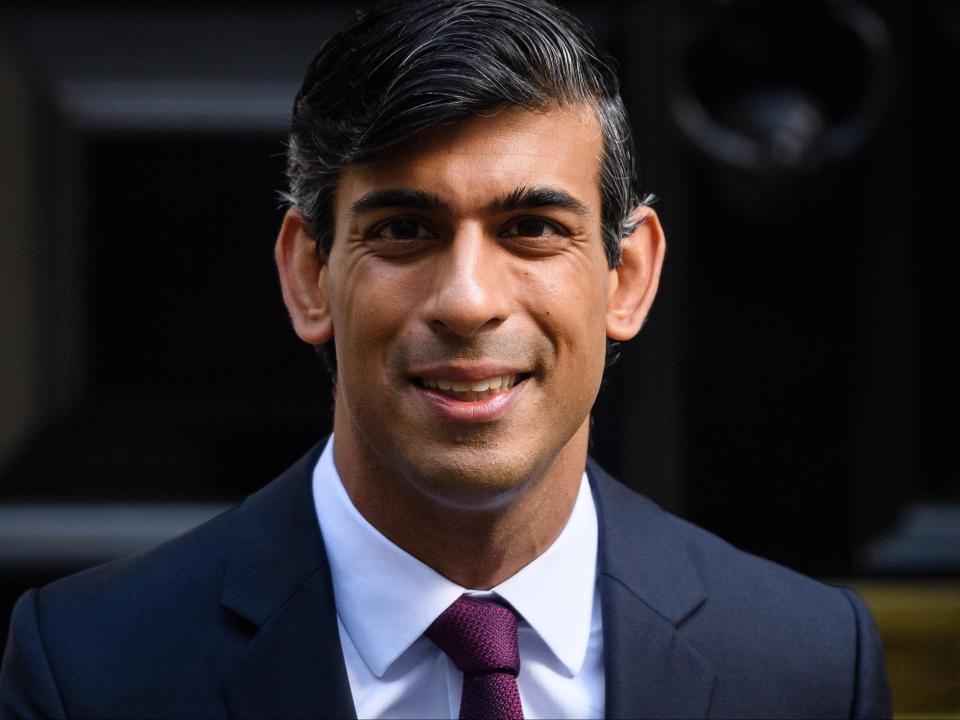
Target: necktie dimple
480,637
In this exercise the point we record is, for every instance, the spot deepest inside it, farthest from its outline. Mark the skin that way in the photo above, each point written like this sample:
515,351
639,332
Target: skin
463,287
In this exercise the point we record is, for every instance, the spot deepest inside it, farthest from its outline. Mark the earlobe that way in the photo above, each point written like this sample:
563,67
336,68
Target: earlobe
303,280
634,282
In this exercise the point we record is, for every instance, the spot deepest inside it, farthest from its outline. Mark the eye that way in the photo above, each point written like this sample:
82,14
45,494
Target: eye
533,228
401,229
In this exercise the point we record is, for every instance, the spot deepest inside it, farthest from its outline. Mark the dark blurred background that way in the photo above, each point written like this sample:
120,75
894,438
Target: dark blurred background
794,390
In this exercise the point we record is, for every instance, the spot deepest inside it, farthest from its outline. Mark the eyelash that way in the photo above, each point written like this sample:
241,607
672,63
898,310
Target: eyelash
377,231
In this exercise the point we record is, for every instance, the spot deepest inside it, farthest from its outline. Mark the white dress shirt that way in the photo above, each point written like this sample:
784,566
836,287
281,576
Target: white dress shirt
386,599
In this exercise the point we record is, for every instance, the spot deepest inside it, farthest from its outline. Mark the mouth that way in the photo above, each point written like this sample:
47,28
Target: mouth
473,391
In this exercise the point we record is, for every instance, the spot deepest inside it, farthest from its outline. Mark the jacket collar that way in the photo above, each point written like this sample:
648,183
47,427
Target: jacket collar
277,578
649,585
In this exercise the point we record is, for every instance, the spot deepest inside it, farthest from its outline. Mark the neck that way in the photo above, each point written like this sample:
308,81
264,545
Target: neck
475,547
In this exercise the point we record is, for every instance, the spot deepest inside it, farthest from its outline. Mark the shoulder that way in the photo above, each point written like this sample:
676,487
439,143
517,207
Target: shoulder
167,582
188,573
770,634
104,640
644,544
122,634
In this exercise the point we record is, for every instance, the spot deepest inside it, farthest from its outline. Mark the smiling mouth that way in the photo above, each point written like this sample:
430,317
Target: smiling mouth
472,391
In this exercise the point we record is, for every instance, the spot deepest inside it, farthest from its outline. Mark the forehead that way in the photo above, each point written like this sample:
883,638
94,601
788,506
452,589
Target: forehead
468,162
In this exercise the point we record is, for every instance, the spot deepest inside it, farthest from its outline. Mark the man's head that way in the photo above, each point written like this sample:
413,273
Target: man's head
402,68
465,171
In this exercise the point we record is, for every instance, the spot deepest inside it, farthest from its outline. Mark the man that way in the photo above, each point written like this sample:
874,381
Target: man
464,226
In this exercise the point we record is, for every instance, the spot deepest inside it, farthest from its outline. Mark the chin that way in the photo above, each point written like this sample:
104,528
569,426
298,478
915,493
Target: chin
472,479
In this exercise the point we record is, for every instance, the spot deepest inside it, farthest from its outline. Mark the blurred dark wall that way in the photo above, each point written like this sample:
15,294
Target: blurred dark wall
793,390
808,305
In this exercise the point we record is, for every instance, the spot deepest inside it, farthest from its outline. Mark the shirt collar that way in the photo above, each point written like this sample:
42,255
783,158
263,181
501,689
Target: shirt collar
386,598
555,592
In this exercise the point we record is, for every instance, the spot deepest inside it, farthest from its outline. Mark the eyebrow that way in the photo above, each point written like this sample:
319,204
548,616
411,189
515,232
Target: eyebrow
397,198
527,198
521,198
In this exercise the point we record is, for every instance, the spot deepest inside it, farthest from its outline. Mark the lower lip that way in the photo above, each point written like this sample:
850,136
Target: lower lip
477,411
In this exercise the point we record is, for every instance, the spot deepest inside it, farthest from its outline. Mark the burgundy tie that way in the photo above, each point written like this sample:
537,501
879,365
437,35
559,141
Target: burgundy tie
480,637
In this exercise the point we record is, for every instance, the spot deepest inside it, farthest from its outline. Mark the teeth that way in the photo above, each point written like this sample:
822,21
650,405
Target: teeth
486,387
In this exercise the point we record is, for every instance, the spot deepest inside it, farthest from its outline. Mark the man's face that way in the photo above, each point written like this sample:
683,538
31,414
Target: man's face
468,291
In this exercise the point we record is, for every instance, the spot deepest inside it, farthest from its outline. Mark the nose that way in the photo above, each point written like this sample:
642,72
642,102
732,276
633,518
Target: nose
469,289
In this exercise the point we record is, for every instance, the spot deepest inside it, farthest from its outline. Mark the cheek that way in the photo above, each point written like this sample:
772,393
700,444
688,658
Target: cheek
370,309
574,322
571,310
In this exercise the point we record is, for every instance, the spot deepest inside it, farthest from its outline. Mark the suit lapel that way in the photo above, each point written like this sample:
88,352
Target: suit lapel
649,586
278,580
650,670
294,665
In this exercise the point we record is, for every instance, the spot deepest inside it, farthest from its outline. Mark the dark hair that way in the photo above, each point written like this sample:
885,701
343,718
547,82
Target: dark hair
404,67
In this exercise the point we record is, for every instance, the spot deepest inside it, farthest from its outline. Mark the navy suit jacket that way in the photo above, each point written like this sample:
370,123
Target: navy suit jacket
237,619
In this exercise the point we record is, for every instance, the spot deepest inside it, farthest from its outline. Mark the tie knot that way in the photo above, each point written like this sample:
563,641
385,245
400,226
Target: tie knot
478,635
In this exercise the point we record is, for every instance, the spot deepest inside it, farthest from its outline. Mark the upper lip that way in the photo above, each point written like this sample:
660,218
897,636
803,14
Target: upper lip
466,373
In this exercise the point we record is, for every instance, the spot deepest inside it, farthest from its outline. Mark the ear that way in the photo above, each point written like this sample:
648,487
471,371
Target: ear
633,284
304,280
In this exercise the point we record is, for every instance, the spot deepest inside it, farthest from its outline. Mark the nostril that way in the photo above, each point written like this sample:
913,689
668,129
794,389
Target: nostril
464,325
